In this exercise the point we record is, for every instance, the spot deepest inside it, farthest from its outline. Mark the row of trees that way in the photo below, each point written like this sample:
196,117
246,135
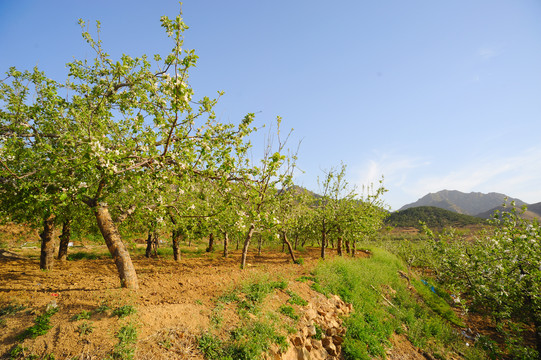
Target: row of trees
127,141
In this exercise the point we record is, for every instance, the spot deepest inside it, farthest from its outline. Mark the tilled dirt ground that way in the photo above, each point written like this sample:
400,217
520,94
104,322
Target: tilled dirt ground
175,300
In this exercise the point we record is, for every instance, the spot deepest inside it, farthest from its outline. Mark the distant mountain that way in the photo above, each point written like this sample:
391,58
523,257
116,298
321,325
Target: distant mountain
533,211
434,217
470,204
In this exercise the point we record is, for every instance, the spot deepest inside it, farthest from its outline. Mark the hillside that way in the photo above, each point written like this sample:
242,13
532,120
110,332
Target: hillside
434,217
532,212
463,203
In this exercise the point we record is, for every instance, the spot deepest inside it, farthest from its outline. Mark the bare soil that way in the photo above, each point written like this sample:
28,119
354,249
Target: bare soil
174,302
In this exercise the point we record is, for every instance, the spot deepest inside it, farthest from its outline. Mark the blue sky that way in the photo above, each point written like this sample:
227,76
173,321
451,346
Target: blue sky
432,95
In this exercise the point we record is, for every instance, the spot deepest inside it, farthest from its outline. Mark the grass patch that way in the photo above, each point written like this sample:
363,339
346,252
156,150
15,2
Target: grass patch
123,311
83,315
11,309
85,328
244,343
127,337
289,312
437,300
84,255
383,305
255,293
295,299
40,327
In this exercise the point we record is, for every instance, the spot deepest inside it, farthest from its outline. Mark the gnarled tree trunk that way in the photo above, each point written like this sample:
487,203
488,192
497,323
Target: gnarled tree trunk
64,240
246,245
290,248
46,259
176,247
121,256
210,248
339,245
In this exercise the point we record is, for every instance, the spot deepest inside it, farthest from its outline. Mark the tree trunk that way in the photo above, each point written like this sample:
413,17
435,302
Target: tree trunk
64,240
121,256
226,243
210,248
339,246
46,259
259,244
290,248
176,249
323,242
347,247
245,247
537,327
353,248
149,245
296,241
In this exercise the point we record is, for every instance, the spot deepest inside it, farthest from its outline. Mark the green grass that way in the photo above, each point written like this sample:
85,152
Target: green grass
123,311
289,312
85,328
127,337
85,255
247,342
383,305
83,315
11,309
295,299
40,327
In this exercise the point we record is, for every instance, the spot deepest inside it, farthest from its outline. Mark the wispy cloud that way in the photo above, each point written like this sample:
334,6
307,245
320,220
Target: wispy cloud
517,175
408,178
488,52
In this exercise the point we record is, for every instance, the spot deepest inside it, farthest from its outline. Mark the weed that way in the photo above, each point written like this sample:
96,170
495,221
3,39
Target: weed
127,337
229,296
166,344
319,332
211,346
102,308
198,302
123,311
289,312
3,323
305,278
11,309
299,261
17,352
83,315
85,328
295,299
41,326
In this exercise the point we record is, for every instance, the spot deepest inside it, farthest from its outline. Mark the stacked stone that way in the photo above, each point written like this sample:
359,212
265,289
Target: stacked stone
327,314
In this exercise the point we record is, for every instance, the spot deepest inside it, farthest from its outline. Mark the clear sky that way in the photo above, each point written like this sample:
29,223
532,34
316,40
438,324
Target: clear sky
432,95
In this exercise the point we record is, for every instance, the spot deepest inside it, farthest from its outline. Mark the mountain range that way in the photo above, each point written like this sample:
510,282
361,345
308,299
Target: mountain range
475,203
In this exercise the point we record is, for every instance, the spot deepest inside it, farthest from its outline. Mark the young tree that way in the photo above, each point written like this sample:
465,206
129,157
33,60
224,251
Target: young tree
500,270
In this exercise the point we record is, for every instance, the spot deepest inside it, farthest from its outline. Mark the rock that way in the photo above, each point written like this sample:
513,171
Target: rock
337,340
297,341
290,354
331,331
308,344
331,349
310,314
316,344
311,330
